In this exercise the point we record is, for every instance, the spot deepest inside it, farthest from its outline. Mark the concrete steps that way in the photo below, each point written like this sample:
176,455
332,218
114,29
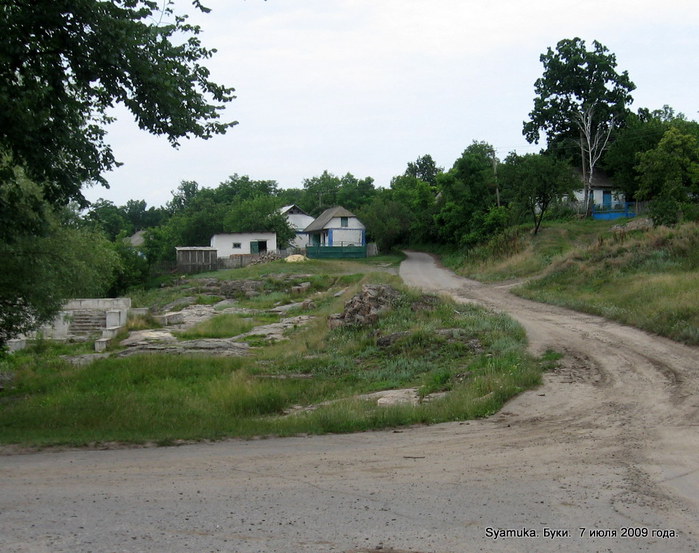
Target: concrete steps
86,322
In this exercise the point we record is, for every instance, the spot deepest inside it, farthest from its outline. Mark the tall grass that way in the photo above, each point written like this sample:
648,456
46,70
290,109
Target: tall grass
517,253
647,279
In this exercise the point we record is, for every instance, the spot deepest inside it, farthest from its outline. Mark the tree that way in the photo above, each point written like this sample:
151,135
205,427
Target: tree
39,272
535,182
467,192
425,169
23,210
141,218
259,214
669,175
641,132
580,97
183,197
133,268
419,199
387,221
241,188
321,193
111,219
65,63
355,193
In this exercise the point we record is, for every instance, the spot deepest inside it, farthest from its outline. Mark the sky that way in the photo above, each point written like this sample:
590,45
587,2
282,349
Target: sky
366,86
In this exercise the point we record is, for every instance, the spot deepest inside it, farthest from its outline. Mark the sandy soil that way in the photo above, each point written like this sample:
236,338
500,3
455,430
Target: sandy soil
603,457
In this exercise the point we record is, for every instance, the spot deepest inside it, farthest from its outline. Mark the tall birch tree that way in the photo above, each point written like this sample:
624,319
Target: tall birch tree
580,98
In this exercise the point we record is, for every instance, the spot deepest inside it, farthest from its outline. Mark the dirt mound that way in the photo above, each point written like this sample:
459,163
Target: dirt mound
296,258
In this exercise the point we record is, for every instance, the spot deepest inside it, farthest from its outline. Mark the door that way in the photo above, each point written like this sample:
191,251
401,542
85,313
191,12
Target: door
607,199
254,247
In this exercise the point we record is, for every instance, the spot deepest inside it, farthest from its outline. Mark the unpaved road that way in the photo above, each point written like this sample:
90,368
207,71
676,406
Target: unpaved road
610,442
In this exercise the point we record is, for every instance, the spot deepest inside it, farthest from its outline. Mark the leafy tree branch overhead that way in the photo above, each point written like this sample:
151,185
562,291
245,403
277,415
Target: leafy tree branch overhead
65,63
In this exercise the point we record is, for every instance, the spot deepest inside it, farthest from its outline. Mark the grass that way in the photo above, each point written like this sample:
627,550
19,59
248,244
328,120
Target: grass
646,279
227,326
481,361
311,266
519,254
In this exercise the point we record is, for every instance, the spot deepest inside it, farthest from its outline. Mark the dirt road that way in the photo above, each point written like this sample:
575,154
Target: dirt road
609,444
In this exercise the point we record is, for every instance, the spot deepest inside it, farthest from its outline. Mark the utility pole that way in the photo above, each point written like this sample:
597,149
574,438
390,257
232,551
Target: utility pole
495,176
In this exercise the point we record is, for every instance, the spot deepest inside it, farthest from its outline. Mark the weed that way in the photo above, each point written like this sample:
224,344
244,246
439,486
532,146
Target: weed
142,322
203,299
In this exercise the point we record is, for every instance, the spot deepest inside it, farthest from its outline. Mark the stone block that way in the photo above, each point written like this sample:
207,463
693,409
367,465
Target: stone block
101,344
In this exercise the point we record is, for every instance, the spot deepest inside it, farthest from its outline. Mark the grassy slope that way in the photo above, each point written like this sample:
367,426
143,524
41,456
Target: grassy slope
644,278
163,399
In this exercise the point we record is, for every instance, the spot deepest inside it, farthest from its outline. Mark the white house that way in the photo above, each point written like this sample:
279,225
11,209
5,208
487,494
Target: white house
336,227
298,220
239,243
603,193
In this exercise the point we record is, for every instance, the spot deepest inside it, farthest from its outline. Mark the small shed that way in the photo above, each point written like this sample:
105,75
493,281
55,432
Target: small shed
196,259
244,243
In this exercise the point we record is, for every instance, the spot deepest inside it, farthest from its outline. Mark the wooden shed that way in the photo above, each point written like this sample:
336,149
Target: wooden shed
196,259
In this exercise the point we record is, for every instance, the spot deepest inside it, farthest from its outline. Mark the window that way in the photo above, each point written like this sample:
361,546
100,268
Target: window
236,245
344,221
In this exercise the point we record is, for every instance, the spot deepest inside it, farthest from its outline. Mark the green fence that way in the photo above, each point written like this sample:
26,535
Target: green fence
335,252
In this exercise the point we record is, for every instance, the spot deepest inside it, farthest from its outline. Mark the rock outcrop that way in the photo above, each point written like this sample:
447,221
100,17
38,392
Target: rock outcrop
364,308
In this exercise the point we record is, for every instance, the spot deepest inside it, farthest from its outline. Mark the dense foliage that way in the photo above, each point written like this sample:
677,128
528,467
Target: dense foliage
63,65
40,271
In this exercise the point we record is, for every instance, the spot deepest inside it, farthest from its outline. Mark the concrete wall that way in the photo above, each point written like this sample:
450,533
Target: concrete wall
58,329
103,304
116,312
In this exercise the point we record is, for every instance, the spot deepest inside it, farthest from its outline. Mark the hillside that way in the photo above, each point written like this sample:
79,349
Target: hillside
644,277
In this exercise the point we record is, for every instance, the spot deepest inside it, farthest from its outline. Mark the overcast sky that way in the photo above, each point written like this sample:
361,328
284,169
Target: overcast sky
365,86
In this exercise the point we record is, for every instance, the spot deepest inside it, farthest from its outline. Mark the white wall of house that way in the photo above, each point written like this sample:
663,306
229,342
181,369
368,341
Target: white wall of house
352,223
239,243
334,233
346,237
598,196
299,221
350,234
300,241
